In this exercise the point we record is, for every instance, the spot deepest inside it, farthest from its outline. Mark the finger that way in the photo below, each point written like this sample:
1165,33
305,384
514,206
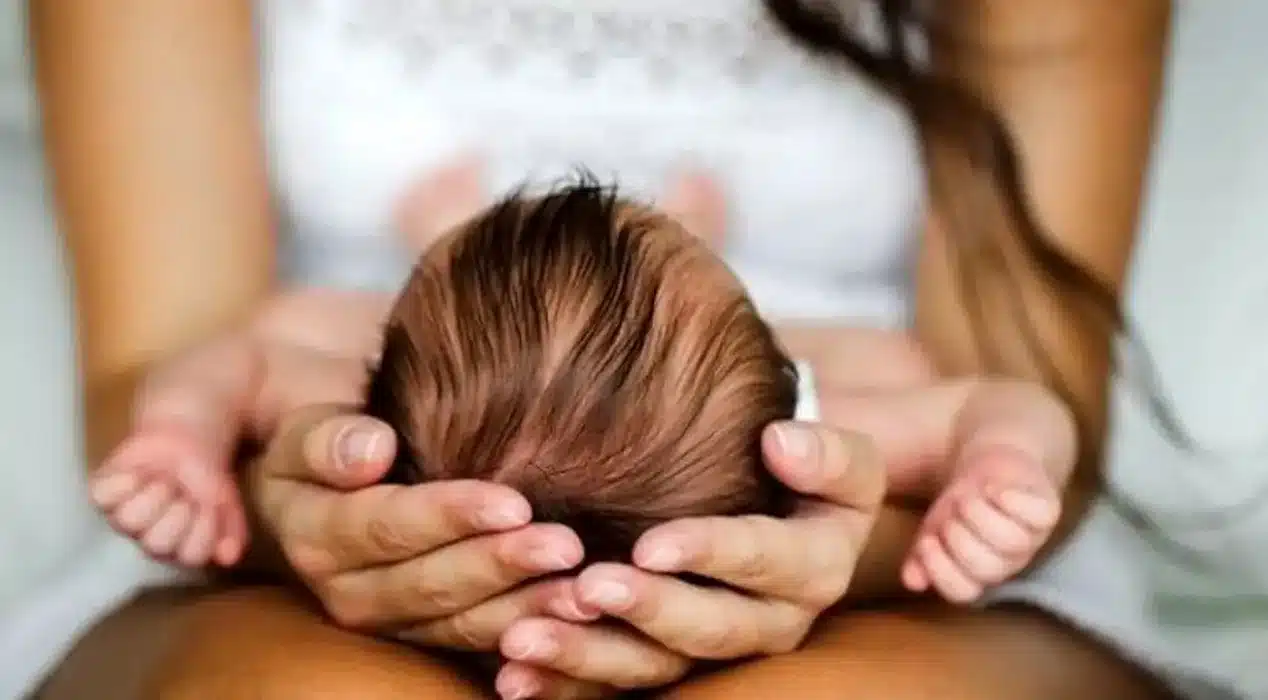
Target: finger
324,532
140,511
111,489
1033,510
324,445
517,681
595,653
915,578
700,622
817,460
480,628
195,550
163,537
945,575
452,578
975,557
807,558
988,523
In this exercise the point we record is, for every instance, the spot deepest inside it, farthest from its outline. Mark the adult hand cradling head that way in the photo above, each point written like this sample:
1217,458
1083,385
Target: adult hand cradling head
445,563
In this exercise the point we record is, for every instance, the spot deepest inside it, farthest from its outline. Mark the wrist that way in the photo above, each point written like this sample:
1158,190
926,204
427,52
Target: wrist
877,572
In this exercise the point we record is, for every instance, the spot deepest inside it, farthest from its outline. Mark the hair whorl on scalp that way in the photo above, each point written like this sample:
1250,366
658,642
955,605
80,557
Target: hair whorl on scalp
589,353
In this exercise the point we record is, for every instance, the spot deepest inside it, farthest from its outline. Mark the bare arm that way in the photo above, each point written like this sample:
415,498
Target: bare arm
151,129
1078,82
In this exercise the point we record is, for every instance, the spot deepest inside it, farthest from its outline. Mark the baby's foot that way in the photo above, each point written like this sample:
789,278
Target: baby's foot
163,487
986,526
697,202
441,201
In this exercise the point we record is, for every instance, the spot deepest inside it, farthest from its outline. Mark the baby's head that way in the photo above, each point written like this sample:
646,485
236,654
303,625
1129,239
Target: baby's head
592,354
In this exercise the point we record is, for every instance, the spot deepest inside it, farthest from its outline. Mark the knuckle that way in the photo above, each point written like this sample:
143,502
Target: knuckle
432,597
462,632
714,639
457,506
386,535
752,559
344,606
309,561
469,634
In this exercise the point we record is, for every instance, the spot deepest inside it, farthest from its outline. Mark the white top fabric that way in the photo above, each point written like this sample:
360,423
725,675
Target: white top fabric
822,175
821,171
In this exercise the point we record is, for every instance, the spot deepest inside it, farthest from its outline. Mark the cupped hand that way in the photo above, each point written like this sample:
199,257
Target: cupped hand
437,564
780,575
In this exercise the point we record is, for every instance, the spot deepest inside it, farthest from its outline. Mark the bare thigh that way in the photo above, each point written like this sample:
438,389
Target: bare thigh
929,653
259,643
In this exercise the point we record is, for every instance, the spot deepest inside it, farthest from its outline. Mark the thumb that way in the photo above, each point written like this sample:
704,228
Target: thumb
330,447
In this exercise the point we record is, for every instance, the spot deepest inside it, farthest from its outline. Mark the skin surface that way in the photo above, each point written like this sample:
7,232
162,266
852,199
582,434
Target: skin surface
1078,82
155,147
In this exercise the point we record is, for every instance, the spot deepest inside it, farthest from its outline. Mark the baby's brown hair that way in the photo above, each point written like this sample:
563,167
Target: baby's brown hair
589,352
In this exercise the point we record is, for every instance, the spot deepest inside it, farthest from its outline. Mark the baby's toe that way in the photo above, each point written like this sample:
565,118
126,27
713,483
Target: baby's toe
232,534
196,548
141,510
915,579
945,575
205,482
1037,511
108,490
976,558
164,536
994,527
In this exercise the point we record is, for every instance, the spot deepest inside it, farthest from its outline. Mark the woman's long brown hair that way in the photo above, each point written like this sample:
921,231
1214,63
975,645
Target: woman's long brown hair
954,124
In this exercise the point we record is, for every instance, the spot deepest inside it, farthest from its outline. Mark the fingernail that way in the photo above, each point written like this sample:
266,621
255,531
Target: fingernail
795,440
541,649
550,560
504,516
567,609
662,558
358,444
518,690
608,594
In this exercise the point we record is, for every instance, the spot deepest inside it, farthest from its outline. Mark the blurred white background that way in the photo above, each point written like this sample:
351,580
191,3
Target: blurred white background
1200,290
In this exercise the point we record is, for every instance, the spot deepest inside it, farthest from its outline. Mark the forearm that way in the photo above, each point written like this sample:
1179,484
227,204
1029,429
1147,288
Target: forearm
150,127
1076,84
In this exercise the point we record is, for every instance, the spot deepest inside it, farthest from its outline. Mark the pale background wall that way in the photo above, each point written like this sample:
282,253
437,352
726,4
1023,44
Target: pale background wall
1200,283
